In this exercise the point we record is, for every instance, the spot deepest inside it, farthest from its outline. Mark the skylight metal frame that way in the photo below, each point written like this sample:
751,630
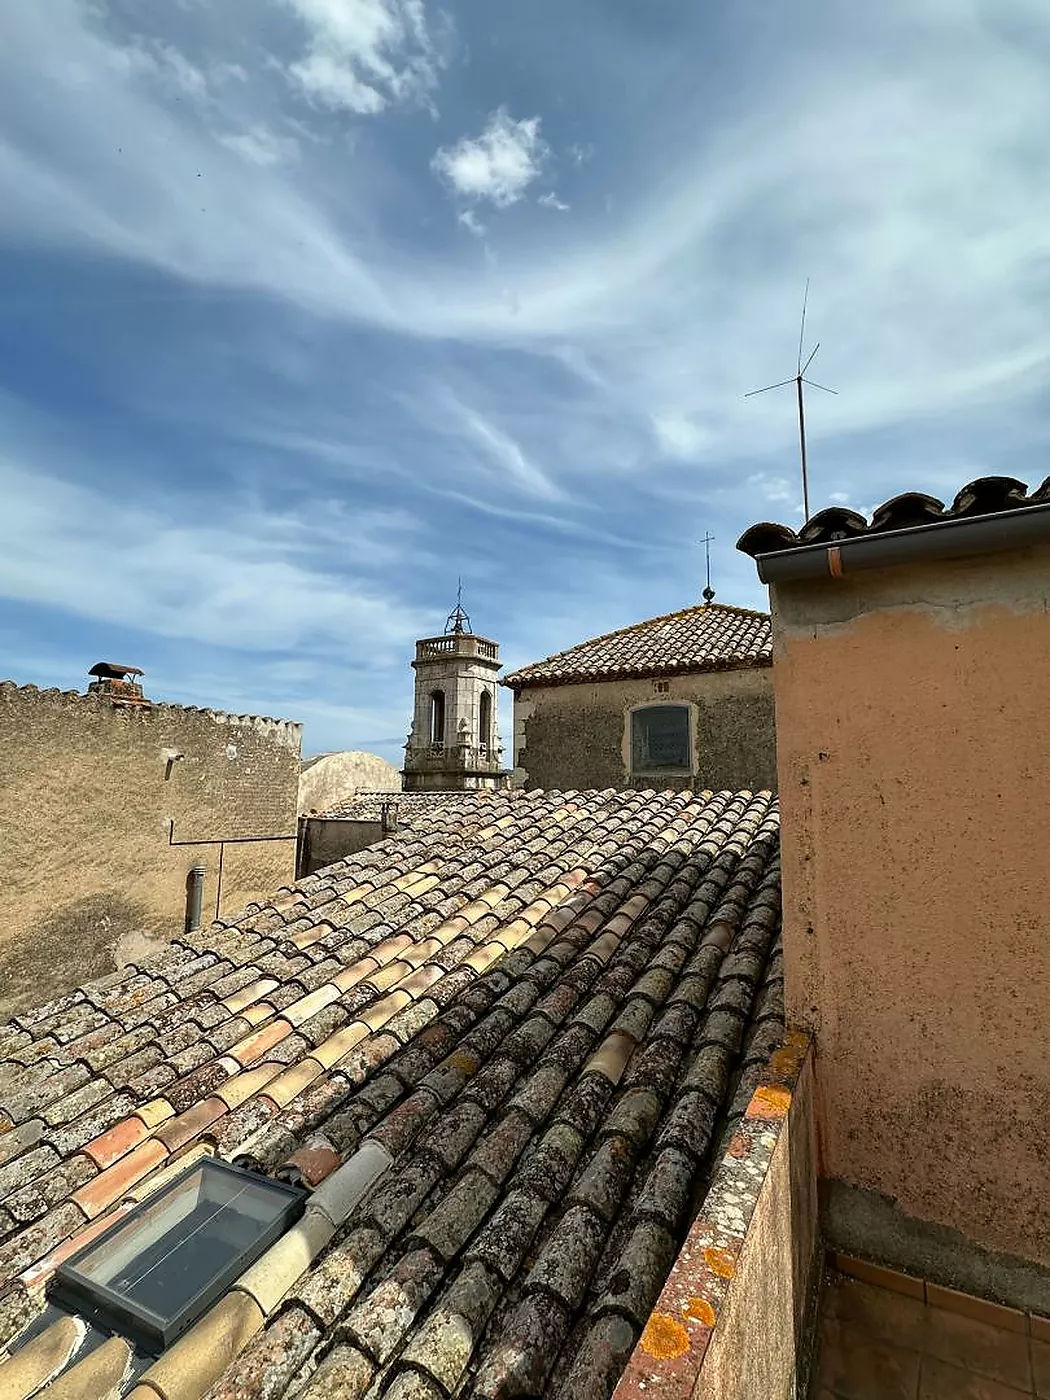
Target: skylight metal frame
115,1312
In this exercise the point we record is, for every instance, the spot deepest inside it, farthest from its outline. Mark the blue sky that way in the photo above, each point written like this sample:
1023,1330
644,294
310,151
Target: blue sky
310,306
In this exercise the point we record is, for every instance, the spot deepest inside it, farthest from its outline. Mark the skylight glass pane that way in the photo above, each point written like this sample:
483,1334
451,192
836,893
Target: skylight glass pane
160,1267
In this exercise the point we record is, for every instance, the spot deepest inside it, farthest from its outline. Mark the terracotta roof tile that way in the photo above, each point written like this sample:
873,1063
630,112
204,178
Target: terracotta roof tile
712,637
545,1006
988,495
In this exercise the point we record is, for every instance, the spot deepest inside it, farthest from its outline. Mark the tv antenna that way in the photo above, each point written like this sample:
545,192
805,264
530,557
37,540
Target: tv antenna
709,592
798,379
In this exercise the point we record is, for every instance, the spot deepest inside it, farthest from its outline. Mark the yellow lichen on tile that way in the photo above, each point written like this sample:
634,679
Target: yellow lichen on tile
700,1310
720,1262
664,1337
769,1102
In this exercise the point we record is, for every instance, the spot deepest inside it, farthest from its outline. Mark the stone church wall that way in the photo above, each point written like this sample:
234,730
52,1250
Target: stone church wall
332,778
91,798
578,736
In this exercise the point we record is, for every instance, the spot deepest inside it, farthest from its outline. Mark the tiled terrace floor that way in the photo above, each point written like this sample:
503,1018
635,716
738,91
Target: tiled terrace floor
880,1345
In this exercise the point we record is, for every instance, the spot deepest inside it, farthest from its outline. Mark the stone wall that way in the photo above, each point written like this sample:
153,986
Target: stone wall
332,778
578,736
91,797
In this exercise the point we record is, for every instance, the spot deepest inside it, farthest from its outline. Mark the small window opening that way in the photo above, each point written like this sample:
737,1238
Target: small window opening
159,1268
437,716
485,722
660,739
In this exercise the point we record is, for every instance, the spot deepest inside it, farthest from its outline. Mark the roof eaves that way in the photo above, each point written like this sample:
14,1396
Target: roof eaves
986,514
524,680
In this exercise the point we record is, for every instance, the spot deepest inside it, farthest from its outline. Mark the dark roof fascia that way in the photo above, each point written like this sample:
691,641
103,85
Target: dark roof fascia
942,539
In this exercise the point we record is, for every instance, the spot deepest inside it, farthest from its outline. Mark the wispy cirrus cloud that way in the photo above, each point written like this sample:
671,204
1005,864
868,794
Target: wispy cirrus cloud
245,577
261,146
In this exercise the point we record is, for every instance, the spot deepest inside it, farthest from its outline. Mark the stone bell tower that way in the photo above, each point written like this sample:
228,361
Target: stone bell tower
454,740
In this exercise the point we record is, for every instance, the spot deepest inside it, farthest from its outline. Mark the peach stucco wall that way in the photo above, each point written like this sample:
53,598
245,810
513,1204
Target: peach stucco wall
913,739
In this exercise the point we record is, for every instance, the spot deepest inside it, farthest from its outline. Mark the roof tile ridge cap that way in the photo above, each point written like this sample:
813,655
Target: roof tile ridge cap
725,607
608,636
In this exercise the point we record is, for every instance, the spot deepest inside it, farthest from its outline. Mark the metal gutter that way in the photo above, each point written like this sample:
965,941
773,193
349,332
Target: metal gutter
943,539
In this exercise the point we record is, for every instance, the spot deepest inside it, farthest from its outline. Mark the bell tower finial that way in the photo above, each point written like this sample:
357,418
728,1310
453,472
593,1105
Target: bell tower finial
457,620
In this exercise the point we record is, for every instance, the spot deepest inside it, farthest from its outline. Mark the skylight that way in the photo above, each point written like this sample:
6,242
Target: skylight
158,1269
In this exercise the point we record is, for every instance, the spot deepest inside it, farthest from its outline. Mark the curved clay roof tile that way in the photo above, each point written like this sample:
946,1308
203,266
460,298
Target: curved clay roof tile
835,523
766,538
989,494
907,510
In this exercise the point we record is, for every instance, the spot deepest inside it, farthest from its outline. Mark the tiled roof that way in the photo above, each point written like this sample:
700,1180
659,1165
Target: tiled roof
411,806
711,637
988,495
549,1009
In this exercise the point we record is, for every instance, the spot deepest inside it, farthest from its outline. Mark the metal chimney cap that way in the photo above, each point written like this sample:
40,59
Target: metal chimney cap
110,671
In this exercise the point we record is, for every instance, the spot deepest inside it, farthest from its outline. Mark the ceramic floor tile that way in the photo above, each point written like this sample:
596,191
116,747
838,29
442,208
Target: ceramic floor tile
1041,1367
885,1316
940,1381
974,1346
857,1367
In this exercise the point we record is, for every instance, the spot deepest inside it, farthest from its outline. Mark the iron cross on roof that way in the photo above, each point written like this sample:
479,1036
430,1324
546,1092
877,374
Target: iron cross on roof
709,592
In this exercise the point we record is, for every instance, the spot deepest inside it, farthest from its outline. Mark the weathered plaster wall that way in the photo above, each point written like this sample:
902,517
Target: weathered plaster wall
913,773
88,879
576,736
332,778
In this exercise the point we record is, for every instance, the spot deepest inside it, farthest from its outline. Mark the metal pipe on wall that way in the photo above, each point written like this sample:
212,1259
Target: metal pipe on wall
194,898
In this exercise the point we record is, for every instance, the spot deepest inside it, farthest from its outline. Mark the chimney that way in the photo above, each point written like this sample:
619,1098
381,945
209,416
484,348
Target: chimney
116,682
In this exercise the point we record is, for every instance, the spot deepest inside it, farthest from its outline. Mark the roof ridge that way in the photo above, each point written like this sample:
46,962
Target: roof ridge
646,622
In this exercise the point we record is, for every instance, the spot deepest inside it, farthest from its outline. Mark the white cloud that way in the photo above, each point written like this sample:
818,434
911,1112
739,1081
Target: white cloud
681,438
161,62
261,146
551,201
469,220
500,164
364,55
776,490
335,84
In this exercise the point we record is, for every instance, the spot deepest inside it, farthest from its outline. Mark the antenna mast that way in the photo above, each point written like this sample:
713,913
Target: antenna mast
798,379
